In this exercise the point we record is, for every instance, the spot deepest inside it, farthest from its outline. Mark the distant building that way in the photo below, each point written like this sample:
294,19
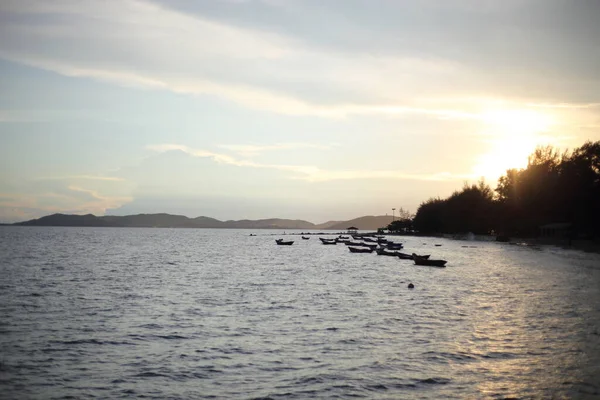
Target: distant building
352,230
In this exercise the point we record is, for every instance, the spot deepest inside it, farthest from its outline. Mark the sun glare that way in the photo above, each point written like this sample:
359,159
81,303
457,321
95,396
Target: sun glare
517,122
514,135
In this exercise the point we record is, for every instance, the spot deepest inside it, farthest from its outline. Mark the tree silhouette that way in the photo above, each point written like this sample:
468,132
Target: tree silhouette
554,187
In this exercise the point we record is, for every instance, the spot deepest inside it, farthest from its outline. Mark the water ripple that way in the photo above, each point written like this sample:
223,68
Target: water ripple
162,313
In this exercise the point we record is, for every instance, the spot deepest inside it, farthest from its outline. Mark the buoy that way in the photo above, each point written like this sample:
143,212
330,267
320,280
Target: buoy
411,286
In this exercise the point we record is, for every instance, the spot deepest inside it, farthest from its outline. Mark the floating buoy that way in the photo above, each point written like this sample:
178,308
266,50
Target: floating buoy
411,286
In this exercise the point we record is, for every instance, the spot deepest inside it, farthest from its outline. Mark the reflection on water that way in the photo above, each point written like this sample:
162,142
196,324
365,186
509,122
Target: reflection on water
198,313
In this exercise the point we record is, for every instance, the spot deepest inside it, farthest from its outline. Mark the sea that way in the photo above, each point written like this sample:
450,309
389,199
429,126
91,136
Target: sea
111,313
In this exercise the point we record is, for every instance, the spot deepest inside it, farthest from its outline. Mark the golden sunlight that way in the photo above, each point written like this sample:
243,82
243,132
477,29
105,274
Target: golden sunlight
514,135
518,122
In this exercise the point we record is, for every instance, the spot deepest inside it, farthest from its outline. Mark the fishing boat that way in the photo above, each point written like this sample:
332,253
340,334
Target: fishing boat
282,242
430,263
360,249
404,256
394,246
305,237
328,241
384,252
355,244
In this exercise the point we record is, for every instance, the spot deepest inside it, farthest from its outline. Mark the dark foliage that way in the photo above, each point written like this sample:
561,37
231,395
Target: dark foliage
555,187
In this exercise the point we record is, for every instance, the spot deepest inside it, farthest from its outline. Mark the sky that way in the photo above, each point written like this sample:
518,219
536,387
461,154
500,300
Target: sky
308,109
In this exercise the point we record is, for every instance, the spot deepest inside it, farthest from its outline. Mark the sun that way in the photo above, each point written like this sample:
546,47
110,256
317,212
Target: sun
513,135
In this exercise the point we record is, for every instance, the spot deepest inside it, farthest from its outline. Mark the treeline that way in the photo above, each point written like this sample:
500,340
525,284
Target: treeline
555,187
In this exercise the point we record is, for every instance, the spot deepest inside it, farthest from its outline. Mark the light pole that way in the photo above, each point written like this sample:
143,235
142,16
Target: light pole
393,214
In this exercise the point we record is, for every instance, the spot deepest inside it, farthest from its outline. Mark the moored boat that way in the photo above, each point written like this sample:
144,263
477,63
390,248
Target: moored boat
360,249
404,256
430,263
305,237
282,242
394,246
328,241
384,252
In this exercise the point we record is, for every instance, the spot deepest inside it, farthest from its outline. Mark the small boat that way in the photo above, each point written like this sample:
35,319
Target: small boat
360,249
431,263
394,246
404,256
354,244
328,241
282,242
384,252
305,237
372,246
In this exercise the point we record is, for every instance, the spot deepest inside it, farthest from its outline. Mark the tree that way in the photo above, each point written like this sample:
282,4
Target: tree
428,218
554,187
400,225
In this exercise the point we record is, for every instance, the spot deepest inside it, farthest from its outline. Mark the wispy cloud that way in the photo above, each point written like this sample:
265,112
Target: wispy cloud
591,126
249,150
310,173
100,201
82,177
169,56
225,159
39,198
564,105
331,175
252,97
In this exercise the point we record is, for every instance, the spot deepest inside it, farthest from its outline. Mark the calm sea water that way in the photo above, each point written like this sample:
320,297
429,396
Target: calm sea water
183,313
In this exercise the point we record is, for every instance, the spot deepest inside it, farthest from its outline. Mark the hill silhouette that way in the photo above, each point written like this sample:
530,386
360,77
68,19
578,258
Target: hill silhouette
369,222
163,220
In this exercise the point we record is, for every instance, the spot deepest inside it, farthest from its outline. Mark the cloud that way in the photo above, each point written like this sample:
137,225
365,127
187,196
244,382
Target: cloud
521,48
310,173
575,106
144,45
250,150
77,194
83,177
225,159
97,202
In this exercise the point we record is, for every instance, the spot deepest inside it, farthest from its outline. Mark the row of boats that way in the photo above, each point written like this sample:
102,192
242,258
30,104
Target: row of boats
380,245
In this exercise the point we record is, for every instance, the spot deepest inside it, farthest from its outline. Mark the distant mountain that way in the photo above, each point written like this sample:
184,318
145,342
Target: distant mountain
67,220
370,222
180,221
326,225
272,223
151,220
